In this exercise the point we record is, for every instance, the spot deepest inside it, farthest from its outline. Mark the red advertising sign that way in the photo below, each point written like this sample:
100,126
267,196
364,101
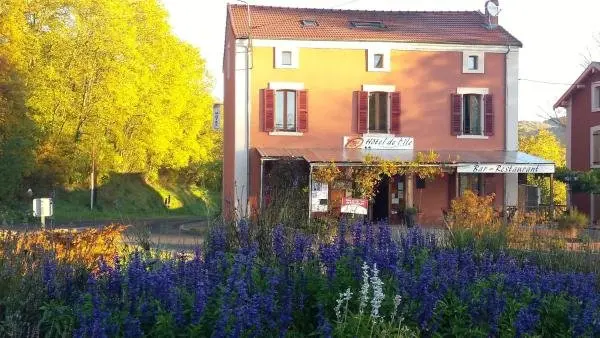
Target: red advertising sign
355,206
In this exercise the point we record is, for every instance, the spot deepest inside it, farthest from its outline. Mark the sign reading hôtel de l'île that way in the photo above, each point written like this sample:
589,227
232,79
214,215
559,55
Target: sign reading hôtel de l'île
379,142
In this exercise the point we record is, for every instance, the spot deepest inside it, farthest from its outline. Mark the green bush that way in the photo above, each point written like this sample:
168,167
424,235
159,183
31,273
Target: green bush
572,219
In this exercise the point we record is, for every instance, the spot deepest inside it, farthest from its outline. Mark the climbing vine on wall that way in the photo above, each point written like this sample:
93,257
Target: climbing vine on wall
365,177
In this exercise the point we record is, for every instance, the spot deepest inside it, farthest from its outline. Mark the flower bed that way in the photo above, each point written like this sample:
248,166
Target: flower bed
372,286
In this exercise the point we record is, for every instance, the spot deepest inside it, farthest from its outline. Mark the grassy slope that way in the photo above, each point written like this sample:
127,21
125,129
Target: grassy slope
130,196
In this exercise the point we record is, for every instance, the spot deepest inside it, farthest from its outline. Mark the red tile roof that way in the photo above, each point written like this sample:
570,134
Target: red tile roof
284,23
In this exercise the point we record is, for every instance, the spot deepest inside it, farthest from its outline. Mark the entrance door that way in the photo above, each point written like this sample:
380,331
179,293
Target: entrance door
397,199
381,205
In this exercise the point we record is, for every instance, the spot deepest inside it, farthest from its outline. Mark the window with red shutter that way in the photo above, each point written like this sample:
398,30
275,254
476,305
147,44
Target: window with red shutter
456,112
268,110
395,112
488,119
362,99
302,111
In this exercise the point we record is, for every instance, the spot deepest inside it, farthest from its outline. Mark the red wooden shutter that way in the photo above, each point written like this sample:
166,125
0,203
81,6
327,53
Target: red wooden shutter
488,119
302,111
363,111
395,112
456,114
269,109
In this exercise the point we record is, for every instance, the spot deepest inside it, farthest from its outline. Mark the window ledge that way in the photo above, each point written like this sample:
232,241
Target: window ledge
378,135
473,71
594,166
384,70
476,137
596,110
285,133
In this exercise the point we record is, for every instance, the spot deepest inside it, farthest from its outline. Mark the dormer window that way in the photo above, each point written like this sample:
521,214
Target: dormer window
473,62
309,23
368,24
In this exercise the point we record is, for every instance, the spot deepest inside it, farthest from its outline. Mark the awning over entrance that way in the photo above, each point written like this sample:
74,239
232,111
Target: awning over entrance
497,161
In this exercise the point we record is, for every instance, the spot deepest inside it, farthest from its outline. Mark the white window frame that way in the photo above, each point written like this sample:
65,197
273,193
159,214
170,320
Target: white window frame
278,54
385,89
593,96
387,67
592,131
286,86
480,62
476,91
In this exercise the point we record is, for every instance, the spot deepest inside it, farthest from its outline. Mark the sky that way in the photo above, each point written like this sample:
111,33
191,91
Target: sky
557,36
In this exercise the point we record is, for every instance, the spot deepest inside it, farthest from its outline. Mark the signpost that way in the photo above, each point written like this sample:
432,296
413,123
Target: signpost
357,206
43,207
216,116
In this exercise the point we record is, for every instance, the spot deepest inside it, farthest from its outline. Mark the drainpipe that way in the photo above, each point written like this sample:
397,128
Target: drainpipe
247,142
506,123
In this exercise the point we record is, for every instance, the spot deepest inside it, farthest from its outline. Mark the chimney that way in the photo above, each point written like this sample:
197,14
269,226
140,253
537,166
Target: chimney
493,16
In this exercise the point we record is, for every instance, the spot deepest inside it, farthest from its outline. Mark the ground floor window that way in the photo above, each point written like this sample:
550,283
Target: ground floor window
472,182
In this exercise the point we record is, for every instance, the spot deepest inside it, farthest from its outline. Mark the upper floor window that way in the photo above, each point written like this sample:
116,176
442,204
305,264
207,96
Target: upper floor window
472,113
378,108
286,57
473,62
378,112
596,96
378,60
285,110
595,147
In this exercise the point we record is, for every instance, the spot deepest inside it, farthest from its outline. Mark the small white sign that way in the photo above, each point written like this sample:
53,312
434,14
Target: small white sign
319,196
379,142
217,116
506,168
43,207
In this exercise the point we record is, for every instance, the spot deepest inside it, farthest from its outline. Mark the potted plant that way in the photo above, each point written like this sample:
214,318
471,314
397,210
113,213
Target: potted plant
571,222
410,215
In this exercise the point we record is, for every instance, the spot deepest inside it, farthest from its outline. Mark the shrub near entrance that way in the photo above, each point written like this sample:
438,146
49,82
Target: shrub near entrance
474,213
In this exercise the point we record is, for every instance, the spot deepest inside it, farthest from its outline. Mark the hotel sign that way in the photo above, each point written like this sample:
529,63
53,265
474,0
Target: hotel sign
379,142
504,168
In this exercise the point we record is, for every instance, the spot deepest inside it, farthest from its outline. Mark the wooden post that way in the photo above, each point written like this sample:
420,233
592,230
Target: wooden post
310,193
552,196
409,191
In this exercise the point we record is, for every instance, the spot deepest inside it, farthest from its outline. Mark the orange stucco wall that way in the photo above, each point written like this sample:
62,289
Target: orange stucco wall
425,80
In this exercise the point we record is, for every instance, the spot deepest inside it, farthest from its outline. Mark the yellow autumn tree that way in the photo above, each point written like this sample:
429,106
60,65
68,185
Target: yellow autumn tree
544,144
108,80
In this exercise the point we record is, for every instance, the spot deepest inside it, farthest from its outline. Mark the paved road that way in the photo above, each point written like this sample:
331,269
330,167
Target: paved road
171,233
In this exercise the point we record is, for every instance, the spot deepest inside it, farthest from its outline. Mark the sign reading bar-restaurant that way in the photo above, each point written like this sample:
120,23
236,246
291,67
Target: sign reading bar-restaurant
506,168
379,142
